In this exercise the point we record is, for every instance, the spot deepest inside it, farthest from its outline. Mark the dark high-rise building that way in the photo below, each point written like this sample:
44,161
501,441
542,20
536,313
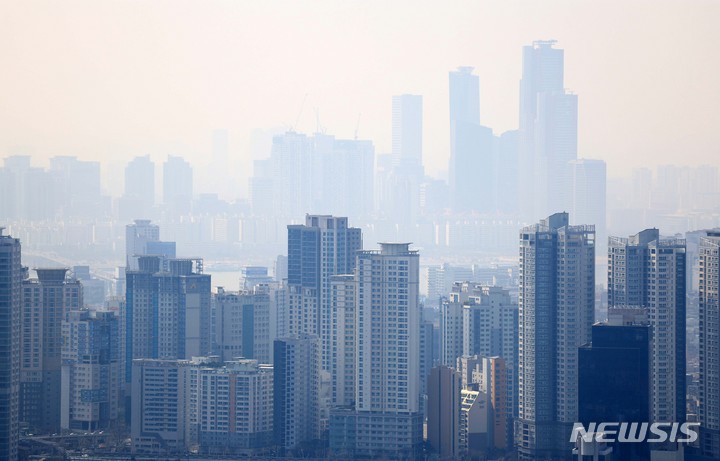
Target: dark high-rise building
46,302
556,312
296,390
647,271
614,381
709,294
11,275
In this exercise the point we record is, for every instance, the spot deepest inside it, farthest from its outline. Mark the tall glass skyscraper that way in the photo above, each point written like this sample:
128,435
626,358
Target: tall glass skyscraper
556,312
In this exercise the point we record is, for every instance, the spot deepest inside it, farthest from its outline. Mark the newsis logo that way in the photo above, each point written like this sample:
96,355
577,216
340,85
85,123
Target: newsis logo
635,432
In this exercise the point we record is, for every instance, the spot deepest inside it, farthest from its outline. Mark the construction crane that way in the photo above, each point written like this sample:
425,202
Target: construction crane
297,119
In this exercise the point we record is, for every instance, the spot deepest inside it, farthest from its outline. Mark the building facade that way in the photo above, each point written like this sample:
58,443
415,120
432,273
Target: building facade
46,302
709,291
91,367
647,271
242,325
556,312
11,275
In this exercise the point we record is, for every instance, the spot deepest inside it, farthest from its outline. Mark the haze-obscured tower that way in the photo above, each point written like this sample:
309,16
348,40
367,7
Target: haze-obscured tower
139,196
554,321
11,275
177,185
542,73
471,145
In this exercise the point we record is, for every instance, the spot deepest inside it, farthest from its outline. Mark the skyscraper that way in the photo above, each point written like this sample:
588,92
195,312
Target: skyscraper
471,145
11,275
46,302
589,178
542,73
324,246
139,196
167,312
91,365
556,311
647,271
177,185
387,417
407,129
709,293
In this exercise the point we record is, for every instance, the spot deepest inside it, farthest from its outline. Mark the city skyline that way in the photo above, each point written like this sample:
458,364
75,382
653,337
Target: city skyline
163,88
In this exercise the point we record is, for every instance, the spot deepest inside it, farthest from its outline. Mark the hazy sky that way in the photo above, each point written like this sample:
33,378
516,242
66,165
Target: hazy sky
115,79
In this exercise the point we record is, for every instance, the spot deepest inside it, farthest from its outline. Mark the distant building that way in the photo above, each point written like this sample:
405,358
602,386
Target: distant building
11,308
91,365
139,194
177,186
542,73
46,302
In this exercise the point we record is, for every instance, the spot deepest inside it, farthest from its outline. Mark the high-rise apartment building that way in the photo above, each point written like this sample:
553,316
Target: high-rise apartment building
91,365
556,312
342,372
11,275
647,271
387,417
242,322
46,302
709,296
234,409
167,312
324,246
296,408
